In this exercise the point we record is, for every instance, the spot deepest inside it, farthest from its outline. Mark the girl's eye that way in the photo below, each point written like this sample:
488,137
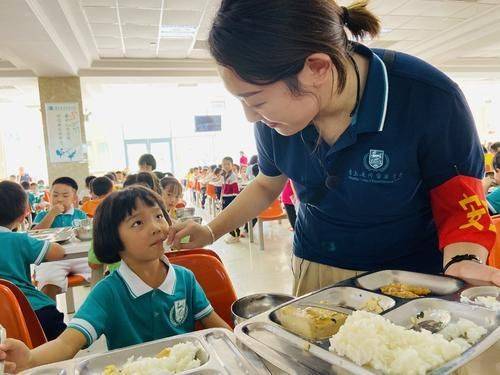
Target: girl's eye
159,216
137,223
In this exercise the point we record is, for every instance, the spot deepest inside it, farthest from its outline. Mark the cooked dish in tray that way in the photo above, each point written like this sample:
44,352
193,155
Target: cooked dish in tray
178,358
404,290
312,323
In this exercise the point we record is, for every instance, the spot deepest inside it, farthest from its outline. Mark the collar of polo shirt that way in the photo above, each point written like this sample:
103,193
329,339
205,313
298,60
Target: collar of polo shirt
4,229
370,114
71,211
137,287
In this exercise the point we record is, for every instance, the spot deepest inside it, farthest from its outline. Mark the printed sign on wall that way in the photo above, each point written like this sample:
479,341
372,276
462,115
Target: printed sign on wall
65,137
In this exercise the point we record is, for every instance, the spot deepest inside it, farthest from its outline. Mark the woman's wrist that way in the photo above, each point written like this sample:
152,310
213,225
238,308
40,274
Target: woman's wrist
212,234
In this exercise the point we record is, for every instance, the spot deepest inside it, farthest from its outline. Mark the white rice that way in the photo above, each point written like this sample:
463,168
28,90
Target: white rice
488,301
464,332
371,340
182,357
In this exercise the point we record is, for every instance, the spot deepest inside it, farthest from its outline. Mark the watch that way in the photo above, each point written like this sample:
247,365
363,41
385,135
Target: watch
459,258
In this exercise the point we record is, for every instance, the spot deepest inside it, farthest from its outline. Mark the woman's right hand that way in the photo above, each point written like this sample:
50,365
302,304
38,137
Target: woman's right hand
16,355
199,235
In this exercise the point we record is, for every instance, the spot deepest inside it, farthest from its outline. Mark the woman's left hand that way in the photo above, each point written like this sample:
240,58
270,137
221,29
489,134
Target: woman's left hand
467,269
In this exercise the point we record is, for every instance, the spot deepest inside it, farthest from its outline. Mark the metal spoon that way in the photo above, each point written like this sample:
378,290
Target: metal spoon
431,320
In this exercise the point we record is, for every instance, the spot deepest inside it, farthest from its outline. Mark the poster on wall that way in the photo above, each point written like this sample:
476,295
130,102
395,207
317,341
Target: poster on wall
63,128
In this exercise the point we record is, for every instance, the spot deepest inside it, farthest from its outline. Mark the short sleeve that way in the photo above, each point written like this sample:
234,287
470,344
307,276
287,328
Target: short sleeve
264,140
451,147
39,217
201,305
91,317
452,166
35,249
494,201
80,215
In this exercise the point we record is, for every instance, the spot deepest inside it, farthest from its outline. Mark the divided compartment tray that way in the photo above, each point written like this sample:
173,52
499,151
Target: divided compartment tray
219,355
439,285
59,235
264,334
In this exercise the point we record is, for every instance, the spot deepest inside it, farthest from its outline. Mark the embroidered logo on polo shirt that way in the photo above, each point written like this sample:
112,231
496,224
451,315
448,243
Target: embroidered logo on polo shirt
376,160
375,169
178,312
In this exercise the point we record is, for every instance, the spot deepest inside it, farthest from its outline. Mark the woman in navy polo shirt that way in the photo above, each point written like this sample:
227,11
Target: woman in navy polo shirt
381,146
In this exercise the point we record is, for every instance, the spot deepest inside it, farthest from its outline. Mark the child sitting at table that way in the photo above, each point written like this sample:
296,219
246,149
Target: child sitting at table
52,278
19,251
146,299
100,188
171,194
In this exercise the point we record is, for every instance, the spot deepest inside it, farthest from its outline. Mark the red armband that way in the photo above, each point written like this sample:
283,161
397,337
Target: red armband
461,213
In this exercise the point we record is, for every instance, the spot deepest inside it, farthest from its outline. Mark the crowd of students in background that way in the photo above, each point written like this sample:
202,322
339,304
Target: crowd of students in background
229,179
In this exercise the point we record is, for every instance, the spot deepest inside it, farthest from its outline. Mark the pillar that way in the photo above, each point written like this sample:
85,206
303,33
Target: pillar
62,114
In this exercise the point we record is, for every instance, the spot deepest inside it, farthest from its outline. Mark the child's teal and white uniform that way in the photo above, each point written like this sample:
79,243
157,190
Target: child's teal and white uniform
128,311
56,273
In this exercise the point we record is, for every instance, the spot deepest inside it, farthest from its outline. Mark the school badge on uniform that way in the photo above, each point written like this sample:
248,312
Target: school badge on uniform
376,160
178,312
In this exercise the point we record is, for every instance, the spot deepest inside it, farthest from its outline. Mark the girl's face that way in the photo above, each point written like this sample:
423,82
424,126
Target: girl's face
496,176
273,104
143,233
227,165
171,199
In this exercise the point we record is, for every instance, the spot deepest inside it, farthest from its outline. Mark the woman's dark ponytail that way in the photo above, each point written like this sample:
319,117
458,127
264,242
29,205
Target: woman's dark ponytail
360,21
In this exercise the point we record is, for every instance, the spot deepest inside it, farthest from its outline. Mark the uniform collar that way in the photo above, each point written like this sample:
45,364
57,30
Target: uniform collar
137,287
4,230
371,113
370,116
70,212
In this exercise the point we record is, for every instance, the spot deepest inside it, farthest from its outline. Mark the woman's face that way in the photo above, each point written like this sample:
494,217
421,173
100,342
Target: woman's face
274,104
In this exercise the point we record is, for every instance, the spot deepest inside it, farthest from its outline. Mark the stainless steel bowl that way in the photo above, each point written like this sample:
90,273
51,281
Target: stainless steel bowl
83,233
184,212
196,219
255,304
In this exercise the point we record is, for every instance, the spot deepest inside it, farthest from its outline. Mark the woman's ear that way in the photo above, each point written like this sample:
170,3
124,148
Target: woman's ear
317,70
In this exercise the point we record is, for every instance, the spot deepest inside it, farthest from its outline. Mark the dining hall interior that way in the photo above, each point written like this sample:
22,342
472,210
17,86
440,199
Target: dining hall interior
250,187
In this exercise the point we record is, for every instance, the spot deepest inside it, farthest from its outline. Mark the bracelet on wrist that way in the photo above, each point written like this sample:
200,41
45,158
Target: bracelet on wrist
211,233
460,258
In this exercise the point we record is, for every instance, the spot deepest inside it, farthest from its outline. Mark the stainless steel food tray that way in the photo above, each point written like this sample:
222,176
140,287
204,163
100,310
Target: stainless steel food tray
59,235
218,354
295,355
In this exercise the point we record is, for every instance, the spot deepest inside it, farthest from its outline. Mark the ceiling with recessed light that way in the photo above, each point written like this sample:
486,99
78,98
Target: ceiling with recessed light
102,38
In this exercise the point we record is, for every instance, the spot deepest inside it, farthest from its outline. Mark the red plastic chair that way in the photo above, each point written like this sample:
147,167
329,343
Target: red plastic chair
494,257
34,329
213,278
273,212
174,254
